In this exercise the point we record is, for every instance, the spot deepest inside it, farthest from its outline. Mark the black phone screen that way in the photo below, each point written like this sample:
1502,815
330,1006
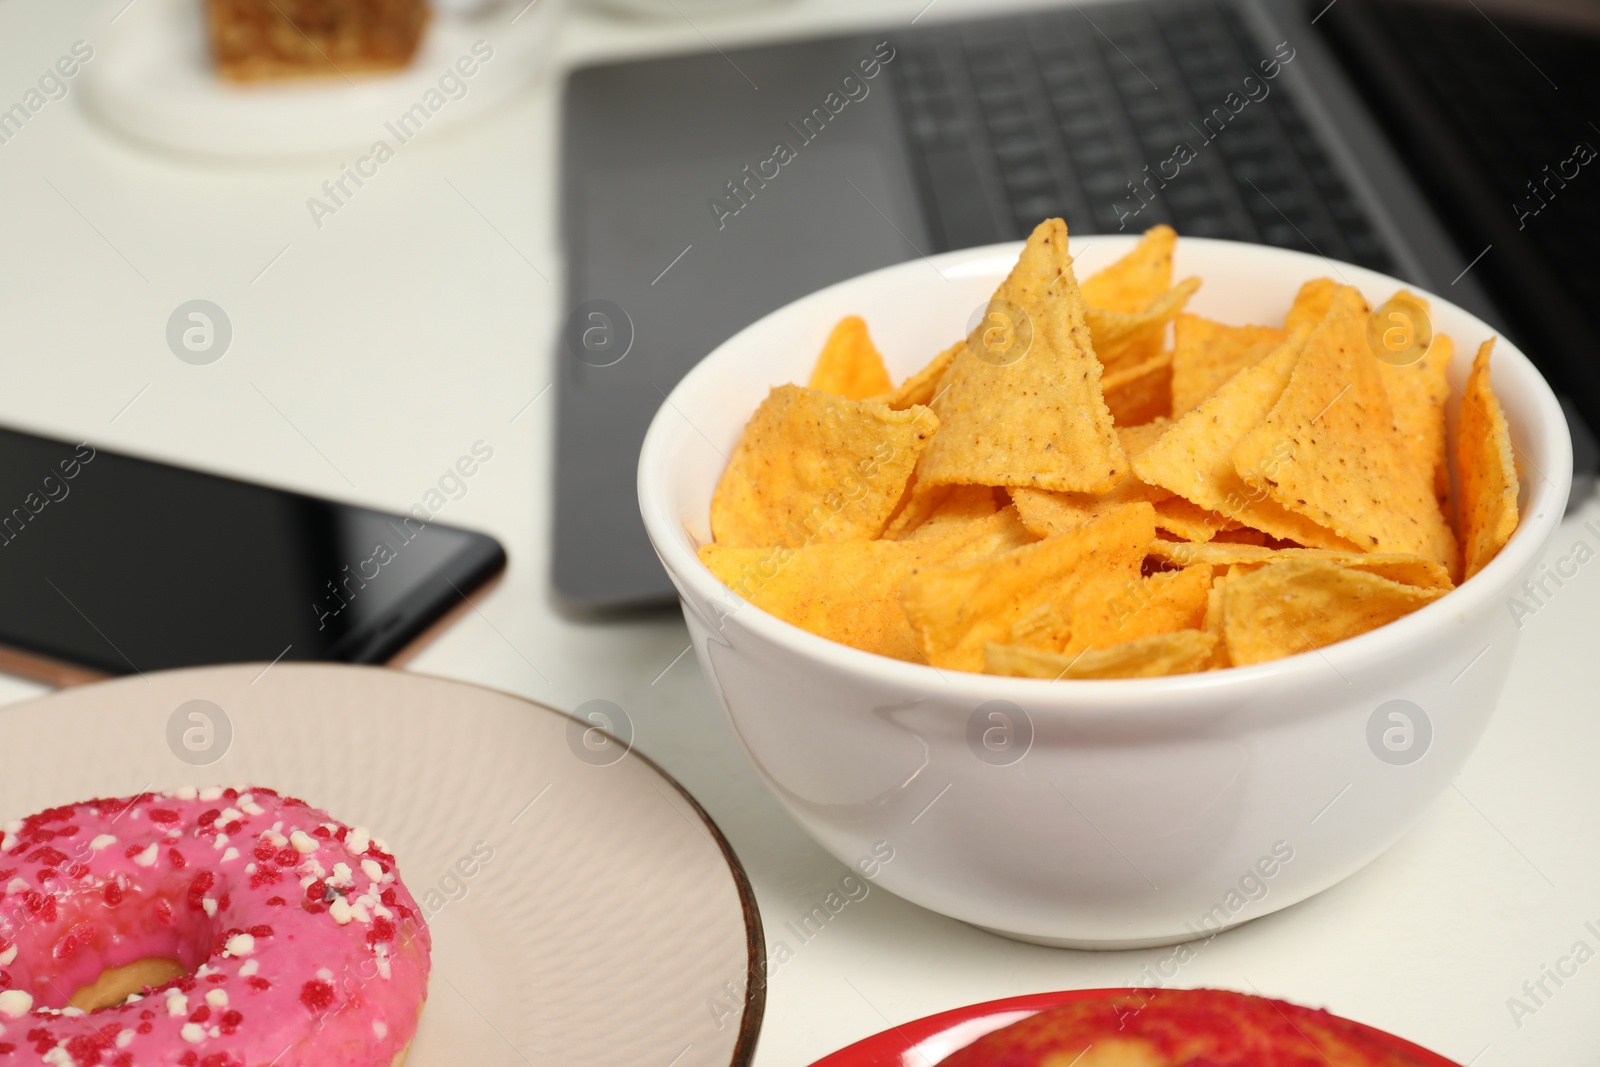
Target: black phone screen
122,565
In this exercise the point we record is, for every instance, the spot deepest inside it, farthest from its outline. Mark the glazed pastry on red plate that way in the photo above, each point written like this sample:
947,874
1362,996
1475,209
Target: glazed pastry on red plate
1180,1028
207,928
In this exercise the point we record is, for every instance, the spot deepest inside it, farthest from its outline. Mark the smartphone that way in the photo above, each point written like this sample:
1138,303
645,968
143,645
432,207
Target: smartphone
114,565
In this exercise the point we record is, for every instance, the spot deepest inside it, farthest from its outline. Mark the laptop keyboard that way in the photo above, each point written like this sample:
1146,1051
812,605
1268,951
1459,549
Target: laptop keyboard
1119,117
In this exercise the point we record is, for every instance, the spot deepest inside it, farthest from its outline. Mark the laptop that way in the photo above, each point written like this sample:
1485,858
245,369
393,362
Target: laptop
1449,144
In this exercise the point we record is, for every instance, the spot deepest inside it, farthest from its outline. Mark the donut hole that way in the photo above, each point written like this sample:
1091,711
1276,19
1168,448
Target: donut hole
94,957
116,983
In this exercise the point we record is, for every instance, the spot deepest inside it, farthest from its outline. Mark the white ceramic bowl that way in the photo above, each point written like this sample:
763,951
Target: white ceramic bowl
1093,813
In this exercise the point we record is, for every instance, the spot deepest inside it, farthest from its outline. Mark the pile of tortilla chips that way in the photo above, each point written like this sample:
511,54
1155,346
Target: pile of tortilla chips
1096,484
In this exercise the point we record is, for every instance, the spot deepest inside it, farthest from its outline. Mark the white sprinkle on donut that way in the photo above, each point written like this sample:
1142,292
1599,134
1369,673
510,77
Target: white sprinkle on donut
16,885
177,1003
124,1038
217,998
340,910
230,855
8,956
147,858
193,1033
303,842
210,793
341,875
248,968
209,906
357,840
372,869
240,945
380,1029
229,815
186,792
102,841
251,807
15,1003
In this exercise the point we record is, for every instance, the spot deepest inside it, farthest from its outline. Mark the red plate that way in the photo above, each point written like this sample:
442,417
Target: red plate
929,1040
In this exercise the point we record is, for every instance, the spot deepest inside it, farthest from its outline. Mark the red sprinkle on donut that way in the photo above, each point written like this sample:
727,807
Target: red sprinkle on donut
316,995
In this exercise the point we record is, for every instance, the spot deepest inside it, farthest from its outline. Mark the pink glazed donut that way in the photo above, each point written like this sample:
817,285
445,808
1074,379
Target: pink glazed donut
204,928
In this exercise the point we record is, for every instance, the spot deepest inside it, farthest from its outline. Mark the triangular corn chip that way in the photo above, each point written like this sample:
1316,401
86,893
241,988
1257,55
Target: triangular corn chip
1133,283
1048,514
1195,457
1417,393
1407,570
1188,521
923,386
1328,450
1487,469
1040,421
954,610
1141,393
1205,354
1213,624
850,365
1126,339
1113,610
1158,655
1310,304
964,504
988,536
815,467
847,592
1292,607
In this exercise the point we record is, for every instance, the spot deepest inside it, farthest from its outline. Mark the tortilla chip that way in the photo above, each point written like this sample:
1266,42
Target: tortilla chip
917,506
1155,656
1188,521
1135,439
1048,514
1127,339
850,365
847,592
1328,450
1407,570
1133,283
1292,607
988,536
1311,304
1487,469
1417,392
814,467
923,386
1042,420
963,505
1213,625
1109,610
956,609
1043,627
1141,393
1195,457
1205,354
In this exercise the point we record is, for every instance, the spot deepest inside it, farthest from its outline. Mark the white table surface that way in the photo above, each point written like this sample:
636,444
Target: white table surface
419,320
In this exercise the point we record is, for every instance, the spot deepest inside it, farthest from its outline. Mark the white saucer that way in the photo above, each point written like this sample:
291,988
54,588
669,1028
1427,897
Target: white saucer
152,78
612,924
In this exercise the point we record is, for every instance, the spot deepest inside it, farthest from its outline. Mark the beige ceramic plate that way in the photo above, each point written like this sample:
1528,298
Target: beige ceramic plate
611,925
